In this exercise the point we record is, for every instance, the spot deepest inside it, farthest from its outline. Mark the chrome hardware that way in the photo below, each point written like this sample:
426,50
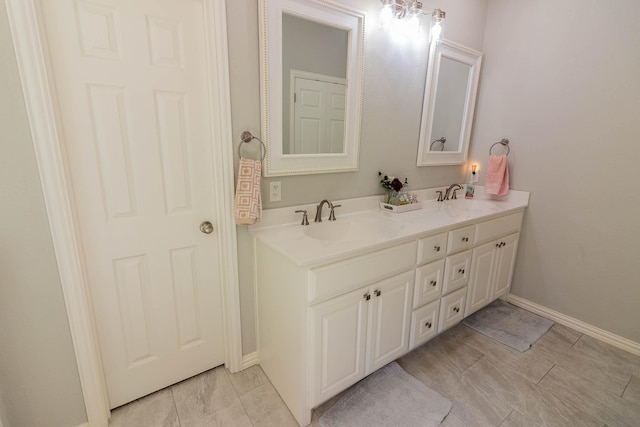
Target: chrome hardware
367,296
319,210
428,325
440,199
332,214
305,220
456,309
378,292
433,283
451,187
436,248
461,270
206,227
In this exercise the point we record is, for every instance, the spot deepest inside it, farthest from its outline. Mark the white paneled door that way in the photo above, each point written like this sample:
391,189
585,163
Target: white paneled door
130,80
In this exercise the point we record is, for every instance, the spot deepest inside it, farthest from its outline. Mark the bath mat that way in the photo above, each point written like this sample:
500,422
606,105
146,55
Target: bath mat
388,397
509,325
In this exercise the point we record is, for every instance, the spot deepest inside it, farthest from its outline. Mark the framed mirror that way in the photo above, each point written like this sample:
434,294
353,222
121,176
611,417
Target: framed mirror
312,60
449,102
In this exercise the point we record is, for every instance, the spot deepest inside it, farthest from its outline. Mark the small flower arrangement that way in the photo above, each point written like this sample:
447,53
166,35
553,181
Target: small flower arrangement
396,190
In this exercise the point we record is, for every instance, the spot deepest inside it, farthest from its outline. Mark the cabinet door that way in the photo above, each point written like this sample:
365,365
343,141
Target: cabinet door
479,291
338,343
505,263
451,309
390,316
456,271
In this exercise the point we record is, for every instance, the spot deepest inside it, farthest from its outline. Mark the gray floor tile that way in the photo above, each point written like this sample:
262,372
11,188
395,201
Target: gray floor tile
199,399
248,379
632,392
590,398
265,408
525,363
623,360
154,410
516,419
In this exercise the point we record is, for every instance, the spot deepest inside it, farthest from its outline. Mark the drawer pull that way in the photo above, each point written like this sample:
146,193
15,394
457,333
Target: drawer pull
465,239
498,244
461,270
378,292
436,248
367,296
456,309
428,325
433,283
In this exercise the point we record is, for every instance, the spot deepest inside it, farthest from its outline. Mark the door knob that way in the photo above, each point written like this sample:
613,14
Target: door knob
206,227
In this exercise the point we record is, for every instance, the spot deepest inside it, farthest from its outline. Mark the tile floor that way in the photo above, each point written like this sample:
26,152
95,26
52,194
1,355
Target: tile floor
566,379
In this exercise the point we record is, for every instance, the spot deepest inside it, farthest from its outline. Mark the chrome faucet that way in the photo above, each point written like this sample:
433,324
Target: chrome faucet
452,187
319,209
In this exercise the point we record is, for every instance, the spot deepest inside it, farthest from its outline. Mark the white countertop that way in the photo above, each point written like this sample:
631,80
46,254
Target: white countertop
278,230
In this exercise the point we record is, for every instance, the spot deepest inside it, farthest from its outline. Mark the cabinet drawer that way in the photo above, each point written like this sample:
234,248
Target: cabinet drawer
460,239
456,271
424,324
340,277
428,285
451,309
494,228
431,248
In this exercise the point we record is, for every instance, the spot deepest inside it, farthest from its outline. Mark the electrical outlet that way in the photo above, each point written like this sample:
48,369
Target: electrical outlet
474,177
275,191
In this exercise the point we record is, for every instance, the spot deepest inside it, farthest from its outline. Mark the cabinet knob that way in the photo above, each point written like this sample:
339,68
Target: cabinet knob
378,292
367,296
456,309
503,244
433,282
428,325
436,248
498,245
465,239
461,270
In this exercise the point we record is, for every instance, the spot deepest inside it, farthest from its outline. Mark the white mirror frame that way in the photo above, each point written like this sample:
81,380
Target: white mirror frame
332,14
465,55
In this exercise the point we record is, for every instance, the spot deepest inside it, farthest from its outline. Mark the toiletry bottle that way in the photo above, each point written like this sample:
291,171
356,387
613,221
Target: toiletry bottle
471,188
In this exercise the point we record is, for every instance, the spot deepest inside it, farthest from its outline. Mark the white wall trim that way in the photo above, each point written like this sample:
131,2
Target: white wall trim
578,325
32,67
25,32
249,360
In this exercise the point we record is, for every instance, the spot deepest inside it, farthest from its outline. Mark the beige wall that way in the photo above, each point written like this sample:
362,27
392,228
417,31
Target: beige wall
38,375
561,80
393,93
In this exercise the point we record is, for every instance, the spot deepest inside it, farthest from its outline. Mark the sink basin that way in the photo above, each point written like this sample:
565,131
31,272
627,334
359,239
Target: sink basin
341,231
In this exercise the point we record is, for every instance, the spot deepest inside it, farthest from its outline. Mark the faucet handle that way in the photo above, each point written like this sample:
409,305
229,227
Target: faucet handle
332,214
440,199
454,197
305,220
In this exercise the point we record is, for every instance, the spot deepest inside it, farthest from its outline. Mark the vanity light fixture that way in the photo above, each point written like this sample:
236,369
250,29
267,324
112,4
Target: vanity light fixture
410,12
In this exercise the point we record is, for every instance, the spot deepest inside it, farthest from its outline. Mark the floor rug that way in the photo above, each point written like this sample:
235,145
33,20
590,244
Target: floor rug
508,324
388,397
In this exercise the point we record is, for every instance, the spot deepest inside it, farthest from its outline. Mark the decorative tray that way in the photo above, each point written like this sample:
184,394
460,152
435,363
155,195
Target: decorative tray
400,208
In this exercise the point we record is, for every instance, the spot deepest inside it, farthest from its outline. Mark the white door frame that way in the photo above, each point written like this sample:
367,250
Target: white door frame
41,111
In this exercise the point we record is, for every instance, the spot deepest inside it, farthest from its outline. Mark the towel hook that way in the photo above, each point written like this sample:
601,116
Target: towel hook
247,137
504,142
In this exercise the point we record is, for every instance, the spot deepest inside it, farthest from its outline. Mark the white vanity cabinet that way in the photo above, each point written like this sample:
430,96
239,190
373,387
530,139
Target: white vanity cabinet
355,334
322,327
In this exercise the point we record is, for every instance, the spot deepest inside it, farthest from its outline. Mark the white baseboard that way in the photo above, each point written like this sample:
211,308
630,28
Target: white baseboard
250,360
578,325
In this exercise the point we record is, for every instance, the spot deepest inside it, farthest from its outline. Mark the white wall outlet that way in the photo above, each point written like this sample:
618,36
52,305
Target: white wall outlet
275,191
474,177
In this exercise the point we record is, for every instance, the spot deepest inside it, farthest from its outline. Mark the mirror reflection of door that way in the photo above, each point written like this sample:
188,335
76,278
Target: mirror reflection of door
315,122
318,114
448,115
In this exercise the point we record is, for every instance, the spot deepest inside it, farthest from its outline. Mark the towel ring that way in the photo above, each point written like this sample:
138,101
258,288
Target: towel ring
504,142
246,137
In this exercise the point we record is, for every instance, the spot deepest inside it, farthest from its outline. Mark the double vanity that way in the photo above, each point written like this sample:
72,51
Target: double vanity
338,300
